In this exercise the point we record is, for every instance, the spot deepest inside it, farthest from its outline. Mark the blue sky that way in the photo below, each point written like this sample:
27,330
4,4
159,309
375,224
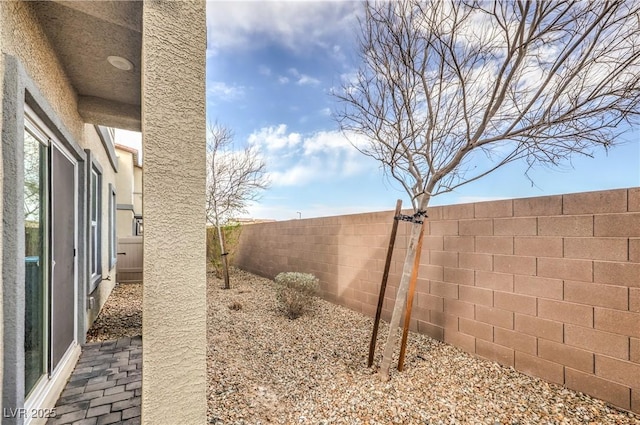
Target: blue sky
270,70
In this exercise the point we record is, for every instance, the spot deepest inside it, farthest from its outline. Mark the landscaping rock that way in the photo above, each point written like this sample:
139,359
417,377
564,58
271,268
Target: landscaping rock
267,369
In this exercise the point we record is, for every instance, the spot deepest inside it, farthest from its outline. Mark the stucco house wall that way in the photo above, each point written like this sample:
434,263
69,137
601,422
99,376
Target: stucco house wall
25,41
124,194
174,378
164,95
1,198
550,285
137,190
31,72
129,194
124,178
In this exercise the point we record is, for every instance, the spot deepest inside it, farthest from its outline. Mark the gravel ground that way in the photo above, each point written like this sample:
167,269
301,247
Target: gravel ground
120,316
266,369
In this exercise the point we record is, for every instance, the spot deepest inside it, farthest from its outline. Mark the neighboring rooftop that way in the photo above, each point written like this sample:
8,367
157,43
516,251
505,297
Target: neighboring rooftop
133,151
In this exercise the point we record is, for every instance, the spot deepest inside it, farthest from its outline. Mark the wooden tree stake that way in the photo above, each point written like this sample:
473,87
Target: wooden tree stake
412,290
383,285
223,256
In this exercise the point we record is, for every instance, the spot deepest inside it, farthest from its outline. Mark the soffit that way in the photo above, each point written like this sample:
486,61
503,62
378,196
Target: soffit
83,34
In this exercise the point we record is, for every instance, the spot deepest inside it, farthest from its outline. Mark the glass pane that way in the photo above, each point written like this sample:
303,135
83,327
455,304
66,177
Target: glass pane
35,270
113,225
94,251
94,196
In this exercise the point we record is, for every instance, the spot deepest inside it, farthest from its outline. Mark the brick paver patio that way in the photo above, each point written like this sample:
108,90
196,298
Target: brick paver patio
105,386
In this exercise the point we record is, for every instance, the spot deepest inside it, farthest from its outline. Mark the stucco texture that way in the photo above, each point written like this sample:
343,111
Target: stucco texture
24,38
174,297
36,69
2,9
92,141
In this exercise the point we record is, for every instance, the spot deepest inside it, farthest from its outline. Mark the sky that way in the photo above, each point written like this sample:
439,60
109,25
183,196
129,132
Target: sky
271,67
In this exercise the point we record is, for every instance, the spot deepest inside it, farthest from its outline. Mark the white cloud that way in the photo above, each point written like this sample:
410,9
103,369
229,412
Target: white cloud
274,212
306,80
303,79
283,80
223,91
294,160
264,70
336,50
325,141
348,80
298,175
298,26
274,138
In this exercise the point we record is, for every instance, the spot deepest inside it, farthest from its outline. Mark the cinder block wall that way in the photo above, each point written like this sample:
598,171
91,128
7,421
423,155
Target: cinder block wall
549,285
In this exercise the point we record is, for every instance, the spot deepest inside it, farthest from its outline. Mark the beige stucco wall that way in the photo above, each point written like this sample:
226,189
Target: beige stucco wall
174,298
3,6
124,192
92,141
124,220
137,190
129,191
124,180
23,38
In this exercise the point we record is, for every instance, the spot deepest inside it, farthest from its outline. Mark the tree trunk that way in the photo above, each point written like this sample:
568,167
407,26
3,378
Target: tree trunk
412,290
383,284
401,295
223,256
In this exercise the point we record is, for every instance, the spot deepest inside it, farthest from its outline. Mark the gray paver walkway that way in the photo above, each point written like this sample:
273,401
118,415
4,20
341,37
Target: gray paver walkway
105,386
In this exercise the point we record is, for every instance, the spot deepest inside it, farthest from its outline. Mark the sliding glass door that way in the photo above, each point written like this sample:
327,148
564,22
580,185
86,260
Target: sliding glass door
36,255
50,228
63,192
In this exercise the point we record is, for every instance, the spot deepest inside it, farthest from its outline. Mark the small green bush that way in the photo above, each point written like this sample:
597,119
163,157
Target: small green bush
295,292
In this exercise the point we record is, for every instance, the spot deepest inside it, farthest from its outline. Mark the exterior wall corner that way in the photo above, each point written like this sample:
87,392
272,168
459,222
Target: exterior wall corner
174,293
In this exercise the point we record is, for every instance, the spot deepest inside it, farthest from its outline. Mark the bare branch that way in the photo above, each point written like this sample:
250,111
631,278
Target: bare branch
450,91
517,80
234,177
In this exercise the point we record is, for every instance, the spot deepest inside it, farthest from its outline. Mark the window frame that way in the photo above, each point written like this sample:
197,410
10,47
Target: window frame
113,240
95,227
34,126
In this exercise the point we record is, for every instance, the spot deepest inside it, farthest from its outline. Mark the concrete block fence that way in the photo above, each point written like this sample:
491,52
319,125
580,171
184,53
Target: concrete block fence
548,285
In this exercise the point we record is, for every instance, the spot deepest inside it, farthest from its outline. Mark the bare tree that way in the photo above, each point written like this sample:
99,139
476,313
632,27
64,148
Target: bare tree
234,178
449,91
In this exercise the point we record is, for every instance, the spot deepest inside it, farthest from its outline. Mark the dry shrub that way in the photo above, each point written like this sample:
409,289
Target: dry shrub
231,234
295,292
235,305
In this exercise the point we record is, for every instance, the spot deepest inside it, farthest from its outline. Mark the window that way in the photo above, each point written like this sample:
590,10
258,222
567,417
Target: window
36,253
112,227
95,256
